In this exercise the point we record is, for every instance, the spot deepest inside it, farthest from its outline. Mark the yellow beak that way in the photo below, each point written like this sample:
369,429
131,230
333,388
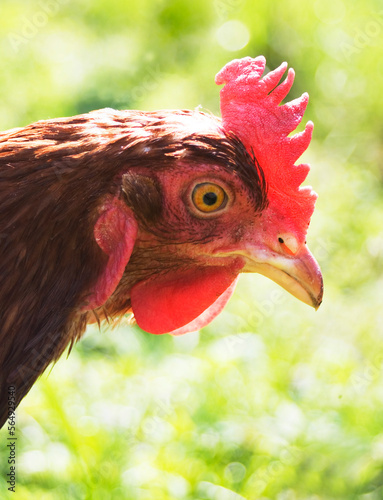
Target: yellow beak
299,274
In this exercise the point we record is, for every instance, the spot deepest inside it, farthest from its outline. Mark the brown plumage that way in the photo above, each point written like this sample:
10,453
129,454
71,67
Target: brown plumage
54,176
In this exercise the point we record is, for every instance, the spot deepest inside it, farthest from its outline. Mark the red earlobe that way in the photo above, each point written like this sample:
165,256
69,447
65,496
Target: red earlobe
115,233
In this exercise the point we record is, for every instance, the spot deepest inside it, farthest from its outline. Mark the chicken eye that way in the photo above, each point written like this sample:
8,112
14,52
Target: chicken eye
208,197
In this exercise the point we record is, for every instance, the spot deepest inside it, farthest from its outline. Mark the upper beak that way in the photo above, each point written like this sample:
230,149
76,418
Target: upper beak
299,274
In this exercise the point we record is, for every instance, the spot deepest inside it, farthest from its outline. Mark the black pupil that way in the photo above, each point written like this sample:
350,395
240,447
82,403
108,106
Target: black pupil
210,199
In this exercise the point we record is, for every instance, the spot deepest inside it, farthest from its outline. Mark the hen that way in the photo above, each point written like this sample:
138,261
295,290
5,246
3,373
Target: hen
150,213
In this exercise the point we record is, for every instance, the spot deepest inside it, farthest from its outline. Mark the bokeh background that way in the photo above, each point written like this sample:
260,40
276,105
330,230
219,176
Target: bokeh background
272,400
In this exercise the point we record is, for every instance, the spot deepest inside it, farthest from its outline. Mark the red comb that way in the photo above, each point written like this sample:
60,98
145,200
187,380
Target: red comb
250,107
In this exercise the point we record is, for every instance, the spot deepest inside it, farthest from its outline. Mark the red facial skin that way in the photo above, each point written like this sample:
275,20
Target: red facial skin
168,300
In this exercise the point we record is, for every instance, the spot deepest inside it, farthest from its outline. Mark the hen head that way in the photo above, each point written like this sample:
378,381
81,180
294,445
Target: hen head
150,213
212,200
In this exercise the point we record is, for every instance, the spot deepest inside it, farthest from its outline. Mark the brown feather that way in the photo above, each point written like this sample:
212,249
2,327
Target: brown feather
54,177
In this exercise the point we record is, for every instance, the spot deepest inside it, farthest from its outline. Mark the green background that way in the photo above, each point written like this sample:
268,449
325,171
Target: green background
272,400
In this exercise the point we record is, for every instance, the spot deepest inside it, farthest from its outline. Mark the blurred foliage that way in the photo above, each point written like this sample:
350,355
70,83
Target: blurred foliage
272,400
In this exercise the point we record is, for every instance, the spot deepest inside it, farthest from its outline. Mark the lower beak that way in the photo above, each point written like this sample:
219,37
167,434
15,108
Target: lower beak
298,274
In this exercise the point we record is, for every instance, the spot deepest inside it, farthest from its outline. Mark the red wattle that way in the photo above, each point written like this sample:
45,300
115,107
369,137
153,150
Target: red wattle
171,302
209,314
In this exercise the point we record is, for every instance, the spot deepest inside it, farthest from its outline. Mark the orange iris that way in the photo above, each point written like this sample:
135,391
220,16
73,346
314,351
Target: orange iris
208,197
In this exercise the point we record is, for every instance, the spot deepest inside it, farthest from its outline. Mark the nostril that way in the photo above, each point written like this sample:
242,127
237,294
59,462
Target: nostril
289,243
